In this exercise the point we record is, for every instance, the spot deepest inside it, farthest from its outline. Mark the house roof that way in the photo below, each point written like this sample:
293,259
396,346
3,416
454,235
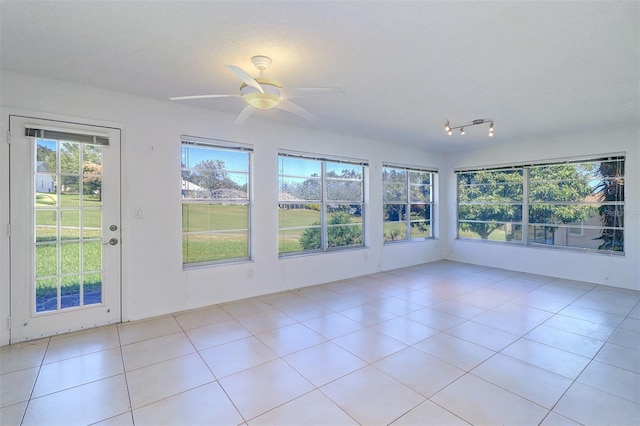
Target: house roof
536,68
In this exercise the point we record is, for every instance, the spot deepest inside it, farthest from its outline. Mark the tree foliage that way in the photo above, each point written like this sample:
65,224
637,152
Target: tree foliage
341,232
611,189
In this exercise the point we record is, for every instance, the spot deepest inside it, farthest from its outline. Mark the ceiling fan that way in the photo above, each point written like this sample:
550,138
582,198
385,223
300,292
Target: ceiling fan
264,93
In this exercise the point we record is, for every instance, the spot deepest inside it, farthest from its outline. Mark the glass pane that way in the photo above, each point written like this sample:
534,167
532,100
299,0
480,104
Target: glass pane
70,292
215,246
295,215
46,294
214,217
490,212
299,167
293,240
564,214
395,212
91,223
420,229
343,170
341,190
344,225
391,175
491,193
568,190
92,155
587,238
420,193
395,231
46,260
69,258
292,189
92,289
395,192
421,212
216,184
46,198
46,225
344,213
92,256
491,177
69,224
46,156
418,177
69,158
490,231
70,191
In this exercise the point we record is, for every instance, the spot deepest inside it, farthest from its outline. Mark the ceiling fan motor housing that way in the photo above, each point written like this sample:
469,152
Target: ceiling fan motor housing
271,97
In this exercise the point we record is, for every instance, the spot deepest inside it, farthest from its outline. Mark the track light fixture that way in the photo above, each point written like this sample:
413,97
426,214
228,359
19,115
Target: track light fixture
449,129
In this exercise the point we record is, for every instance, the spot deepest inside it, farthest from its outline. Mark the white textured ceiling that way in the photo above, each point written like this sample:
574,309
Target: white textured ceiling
536,68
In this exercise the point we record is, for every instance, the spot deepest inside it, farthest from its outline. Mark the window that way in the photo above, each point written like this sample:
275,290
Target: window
407,203
320,204
215,203
577,204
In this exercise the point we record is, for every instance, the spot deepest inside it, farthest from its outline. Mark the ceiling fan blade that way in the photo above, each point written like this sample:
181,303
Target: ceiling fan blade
245,78
181,98
244,114
297,110
310,91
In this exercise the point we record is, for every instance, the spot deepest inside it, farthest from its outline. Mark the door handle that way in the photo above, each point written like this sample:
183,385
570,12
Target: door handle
111,242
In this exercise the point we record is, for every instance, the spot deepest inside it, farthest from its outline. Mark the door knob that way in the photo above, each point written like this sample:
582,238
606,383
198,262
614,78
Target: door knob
112,242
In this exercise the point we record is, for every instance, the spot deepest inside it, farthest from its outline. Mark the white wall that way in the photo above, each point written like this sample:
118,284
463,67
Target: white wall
153,281
619,271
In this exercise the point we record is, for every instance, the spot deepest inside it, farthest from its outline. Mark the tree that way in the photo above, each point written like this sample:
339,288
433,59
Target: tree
487,199
338,236
611,189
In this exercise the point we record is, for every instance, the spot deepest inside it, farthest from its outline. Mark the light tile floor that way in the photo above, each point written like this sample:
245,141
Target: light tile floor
442,343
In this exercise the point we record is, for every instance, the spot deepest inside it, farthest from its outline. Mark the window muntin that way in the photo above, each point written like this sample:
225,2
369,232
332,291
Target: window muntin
576,205
321,203
407,203
216,203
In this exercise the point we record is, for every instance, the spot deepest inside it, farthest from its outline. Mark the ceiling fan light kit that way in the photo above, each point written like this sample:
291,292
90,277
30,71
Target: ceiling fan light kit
263,93
449,128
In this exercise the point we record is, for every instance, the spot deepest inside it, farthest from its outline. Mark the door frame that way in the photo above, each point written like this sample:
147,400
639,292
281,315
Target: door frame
68,121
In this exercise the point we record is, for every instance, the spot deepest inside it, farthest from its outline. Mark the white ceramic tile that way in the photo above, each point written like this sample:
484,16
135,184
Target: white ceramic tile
598,317
230,358
460,353
405,330
480,402
588,405
158,381
312,409
567,341
204,405
369,345
556,360
17,386
429,414
12,414
84,342
554,419
618,381
91,403
282,299
458,309
324,363
483,335
399,305
289,339
200,317
333,325
22,355
219,333
580,326
620,356
369,314
131,332
509,323
124,419
419,371
627,338
264,387
77,371
246,307
305,310
372,397
152,351
533,383
435,319
265,321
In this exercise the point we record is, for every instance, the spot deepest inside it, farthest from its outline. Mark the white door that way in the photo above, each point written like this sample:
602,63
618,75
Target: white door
65,226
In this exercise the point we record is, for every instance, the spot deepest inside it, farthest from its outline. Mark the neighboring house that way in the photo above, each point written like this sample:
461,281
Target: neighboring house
44,180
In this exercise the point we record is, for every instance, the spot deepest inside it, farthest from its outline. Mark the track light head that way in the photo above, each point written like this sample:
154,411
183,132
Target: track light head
462,130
